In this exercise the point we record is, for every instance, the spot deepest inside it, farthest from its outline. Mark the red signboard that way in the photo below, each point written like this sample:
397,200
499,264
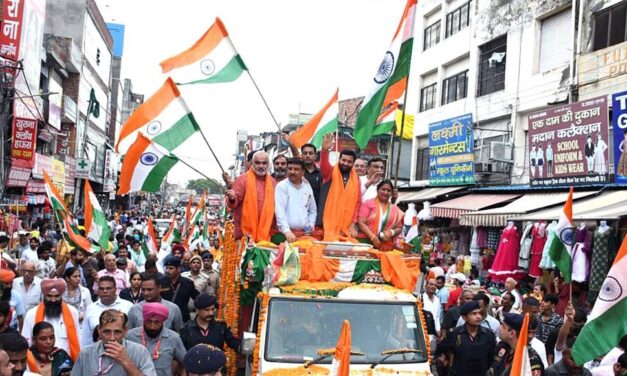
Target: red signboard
568,144
24,139
11,31
18,177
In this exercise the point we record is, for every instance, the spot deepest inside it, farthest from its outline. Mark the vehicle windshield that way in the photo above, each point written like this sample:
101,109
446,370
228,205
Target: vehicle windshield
297,329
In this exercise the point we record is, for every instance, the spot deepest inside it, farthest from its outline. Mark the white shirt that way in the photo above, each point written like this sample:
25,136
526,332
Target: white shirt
294,206
60,330
539,347
29,255
32,297
368,193
517,300
92,317
434,307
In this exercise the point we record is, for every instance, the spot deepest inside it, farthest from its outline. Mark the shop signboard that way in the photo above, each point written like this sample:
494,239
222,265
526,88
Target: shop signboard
33,19
70,174
12,13
24,139
35,186
451,157
82,168
42,162
619,121
568,145
57,174
18,177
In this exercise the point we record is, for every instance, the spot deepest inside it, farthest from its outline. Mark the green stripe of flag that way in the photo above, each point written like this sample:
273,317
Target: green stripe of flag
323,131
600,335
560,256
230,72
178,133
158,173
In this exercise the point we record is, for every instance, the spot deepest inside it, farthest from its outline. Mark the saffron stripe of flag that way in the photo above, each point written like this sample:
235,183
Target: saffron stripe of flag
144,167
324,122
386,122
164,118
212,59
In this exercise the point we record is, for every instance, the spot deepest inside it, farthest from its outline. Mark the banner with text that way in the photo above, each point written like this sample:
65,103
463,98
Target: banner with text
568,145
24,139
451,158
619,120
10,37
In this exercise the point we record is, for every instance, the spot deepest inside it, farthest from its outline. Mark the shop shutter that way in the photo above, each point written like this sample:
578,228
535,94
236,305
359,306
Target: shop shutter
555,41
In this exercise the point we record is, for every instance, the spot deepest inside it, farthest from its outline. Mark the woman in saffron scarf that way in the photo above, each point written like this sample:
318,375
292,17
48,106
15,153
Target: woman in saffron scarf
379,219
43,357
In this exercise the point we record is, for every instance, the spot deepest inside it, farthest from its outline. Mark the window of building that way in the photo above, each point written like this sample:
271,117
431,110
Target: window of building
555,41
427,97
492,66
454,88
432,35
422,164
457,19
610,26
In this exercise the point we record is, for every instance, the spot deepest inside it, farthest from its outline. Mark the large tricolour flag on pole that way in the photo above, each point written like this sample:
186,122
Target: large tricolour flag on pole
342,357
96,225
324,122
390,80
212,59
164,118
521,366
607,323
144,167
561,246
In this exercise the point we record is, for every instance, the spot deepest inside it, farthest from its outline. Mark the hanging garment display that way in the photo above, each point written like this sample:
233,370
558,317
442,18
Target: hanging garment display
538,234
546,262
602,242
506,261
580,254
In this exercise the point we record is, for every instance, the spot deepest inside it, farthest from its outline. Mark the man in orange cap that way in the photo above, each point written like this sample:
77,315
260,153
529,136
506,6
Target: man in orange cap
62,316
15,300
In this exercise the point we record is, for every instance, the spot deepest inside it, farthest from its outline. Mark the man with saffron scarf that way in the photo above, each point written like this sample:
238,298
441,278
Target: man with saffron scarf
253,194
63,317
340,196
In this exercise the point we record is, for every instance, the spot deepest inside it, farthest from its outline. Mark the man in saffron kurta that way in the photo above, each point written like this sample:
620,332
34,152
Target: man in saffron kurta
253,192
340,196
63,317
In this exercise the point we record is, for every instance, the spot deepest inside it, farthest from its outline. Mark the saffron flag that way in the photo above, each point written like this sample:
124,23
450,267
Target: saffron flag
144,167
561,246
324,122
606,324
342,357
521,366
96,225
164,118
212,59
390,80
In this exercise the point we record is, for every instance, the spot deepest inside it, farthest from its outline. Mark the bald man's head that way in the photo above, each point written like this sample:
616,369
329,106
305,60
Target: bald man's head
260,163
28,270
109,261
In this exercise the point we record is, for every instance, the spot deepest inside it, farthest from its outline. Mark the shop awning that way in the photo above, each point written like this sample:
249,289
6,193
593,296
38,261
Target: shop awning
528,203
426,194
607,205
456,207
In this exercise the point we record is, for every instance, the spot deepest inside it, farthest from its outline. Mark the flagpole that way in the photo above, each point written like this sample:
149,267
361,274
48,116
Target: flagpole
388,168
211,150
265,103
193,168
400,139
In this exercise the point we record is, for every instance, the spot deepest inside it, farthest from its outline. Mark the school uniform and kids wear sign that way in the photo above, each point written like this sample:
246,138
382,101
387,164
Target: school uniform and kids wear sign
568,145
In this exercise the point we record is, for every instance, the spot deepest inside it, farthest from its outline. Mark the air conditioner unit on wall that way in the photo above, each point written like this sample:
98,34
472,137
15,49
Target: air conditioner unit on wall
501,151
483,168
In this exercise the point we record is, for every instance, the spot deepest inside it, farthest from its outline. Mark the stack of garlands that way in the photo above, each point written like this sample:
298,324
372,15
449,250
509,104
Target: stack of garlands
263,299
424,330
229,293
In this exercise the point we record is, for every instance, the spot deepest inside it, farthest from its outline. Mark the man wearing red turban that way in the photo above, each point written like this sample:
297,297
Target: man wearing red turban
164,345
63,317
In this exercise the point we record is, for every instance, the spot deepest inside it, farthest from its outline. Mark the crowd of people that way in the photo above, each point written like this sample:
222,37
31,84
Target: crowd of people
477,329
121,311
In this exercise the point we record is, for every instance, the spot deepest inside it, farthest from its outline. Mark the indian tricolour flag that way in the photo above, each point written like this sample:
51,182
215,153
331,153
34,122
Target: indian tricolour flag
521,366
413,236
607,323
340,366
150,241
144,167
324,122
390,80
561,246
164,118
56,201
212,59
168,237
96,225
387,121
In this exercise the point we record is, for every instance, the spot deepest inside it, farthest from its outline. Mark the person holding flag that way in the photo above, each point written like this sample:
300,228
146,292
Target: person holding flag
514,356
